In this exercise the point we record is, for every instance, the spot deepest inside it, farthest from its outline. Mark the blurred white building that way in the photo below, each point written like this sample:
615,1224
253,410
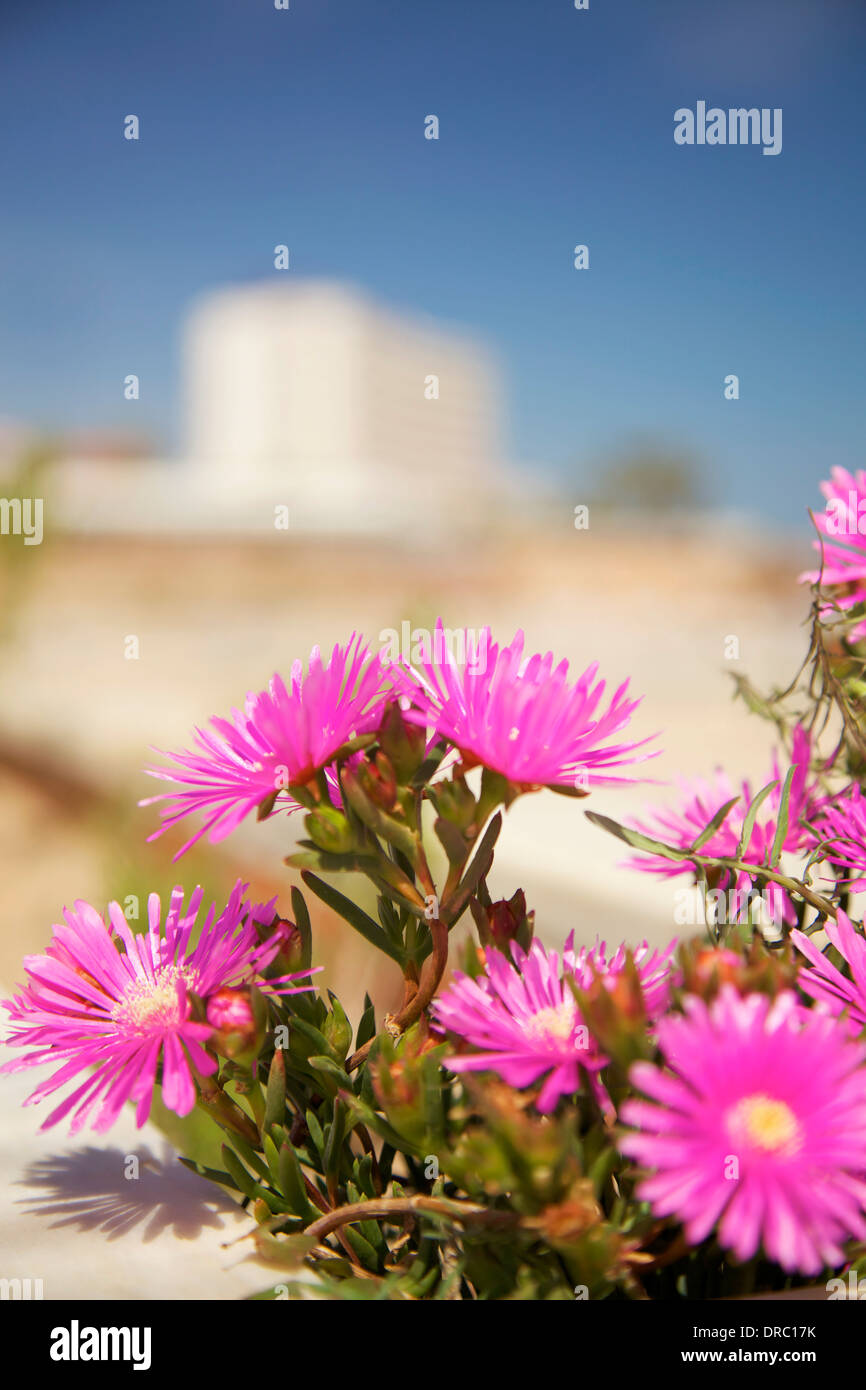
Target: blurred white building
313,396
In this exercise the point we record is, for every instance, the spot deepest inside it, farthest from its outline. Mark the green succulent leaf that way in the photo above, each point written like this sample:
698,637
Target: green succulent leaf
355,916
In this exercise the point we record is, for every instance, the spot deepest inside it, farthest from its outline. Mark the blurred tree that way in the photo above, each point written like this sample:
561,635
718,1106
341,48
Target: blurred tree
650,480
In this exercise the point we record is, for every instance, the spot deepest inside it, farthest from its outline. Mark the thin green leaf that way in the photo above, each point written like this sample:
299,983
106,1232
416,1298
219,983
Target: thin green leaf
292,1184
212,1174
430,764
635,839
243,1181
305,931
367,1026
715,824
275,1104
478,869
355,916
782,820
751,816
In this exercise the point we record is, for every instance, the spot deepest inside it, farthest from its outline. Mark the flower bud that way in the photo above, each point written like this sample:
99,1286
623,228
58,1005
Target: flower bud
505,921
230,1014
330,831
614,1010
564,1223
291,953
377,780
402,1076
455,803
403,743
756,969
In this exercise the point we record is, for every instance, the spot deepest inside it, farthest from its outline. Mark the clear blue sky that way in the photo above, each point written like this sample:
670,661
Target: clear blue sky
306,127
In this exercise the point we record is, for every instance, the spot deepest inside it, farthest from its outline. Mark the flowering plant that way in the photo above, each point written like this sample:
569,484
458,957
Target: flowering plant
656,1122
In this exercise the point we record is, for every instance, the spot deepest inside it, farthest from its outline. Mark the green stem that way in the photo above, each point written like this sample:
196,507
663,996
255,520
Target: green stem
384,1208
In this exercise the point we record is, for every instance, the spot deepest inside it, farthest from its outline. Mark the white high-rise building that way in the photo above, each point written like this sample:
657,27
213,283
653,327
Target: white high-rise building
310,395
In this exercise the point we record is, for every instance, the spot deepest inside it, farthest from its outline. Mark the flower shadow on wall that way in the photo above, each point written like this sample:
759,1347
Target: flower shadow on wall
87,1189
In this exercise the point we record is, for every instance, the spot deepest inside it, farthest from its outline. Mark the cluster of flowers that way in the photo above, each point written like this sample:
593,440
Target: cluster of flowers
102,997
774,1082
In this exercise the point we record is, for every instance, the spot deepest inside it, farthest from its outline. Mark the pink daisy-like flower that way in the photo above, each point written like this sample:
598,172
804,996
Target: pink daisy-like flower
842,820
654,970
680,825
116,1005
525,1020
827,985
758,1128
842,525
285,735
519,716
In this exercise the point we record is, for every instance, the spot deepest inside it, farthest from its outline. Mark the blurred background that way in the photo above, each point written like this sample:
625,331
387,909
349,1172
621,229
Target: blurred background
282,365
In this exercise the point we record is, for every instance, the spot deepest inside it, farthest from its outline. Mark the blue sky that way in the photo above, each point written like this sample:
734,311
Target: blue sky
306,127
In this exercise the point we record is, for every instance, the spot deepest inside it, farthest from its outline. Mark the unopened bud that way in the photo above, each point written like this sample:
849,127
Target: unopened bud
230,1014
505,921
378,780
330,831
404,743
455,803
290,955
719,963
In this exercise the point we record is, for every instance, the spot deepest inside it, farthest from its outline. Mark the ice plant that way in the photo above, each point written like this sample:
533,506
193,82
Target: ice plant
758,1129
681,824
734,1076
827,985
524,1019
520,716
284,736
842,542
841,824
117,1005
654,970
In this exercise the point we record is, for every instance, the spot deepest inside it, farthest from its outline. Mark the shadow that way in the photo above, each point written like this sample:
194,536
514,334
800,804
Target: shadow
87,1189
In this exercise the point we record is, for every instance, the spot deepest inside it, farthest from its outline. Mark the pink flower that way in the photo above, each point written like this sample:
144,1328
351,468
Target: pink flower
526,1022
525,1018
654,970
117,1015
679,826
843,542
828,985
284,736
758,1129
520,717
843,820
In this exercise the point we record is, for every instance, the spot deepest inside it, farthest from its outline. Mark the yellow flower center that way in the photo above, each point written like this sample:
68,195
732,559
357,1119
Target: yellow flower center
766,1124
151,1005
554,1024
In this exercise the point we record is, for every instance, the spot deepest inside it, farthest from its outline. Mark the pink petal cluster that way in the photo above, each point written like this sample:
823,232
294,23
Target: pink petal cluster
842,525
525,1021
842,821
827,985
115,1005
520,716
654,968
757,1129
681,824
284,735
522,1015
